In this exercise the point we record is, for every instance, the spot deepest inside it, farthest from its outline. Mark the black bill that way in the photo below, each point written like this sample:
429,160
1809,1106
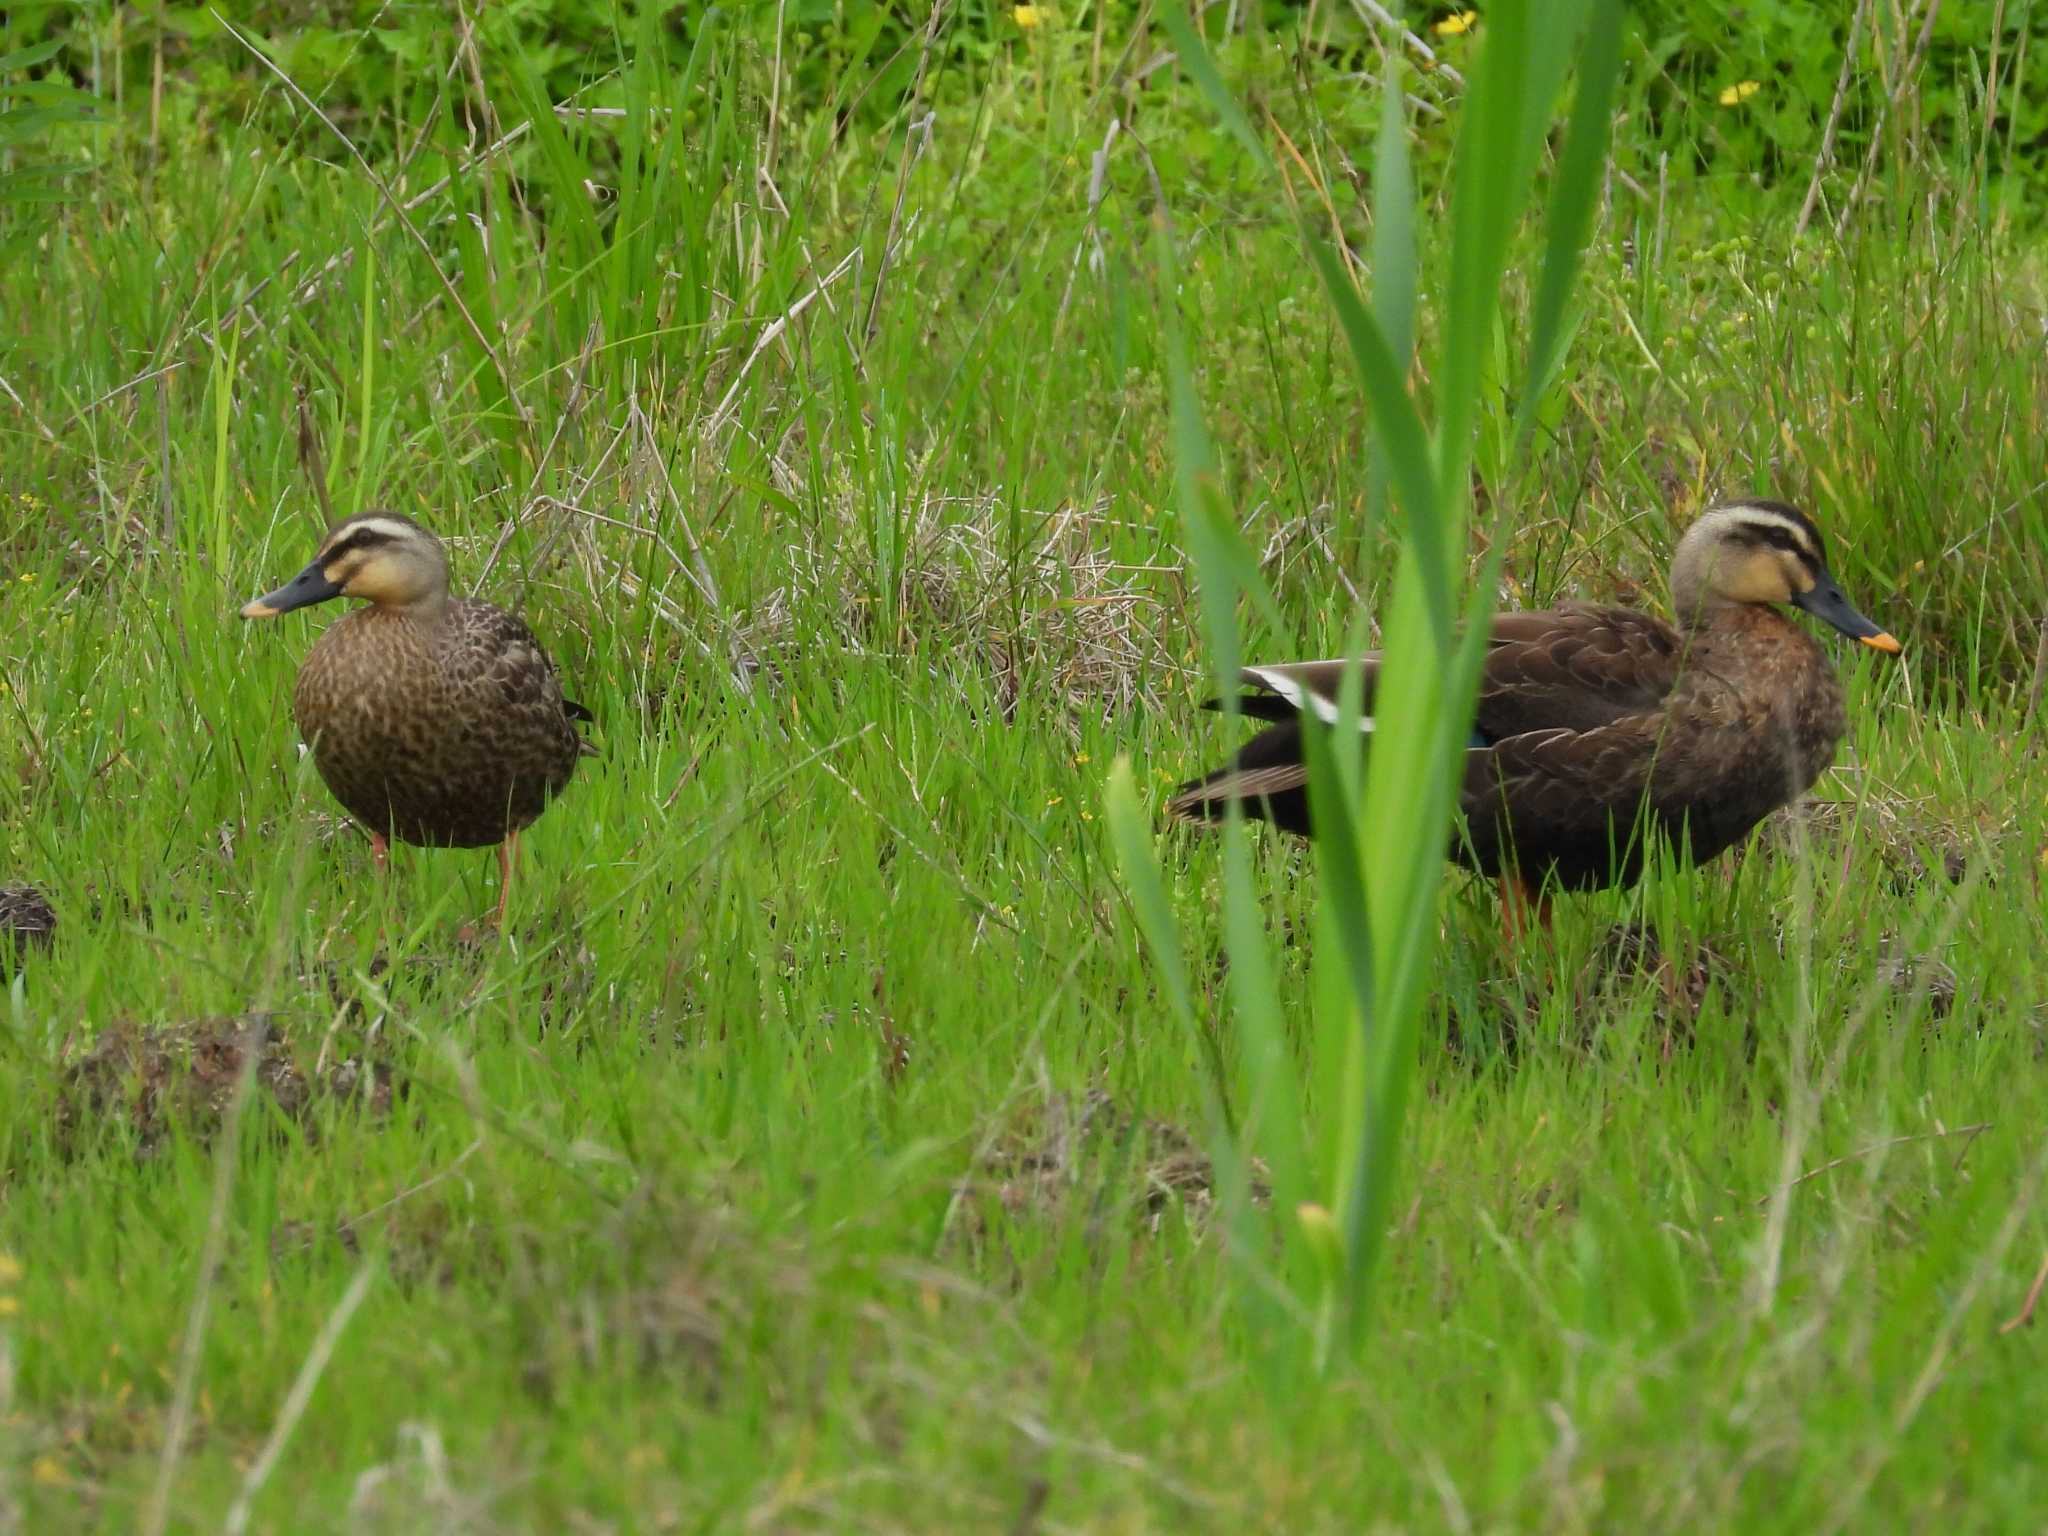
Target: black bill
302,591
1827,603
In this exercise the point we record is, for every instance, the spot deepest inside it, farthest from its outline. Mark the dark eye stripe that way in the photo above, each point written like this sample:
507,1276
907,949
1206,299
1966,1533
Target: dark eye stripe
1780,537
356,542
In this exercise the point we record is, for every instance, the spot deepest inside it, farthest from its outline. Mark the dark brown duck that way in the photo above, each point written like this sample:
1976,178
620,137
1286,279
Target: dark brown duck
434,720
1596,722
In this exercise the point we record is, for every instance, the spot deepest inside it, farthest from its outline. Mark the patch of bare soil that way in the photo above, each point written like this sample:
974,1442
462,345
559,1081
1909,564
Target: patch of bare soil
360,992
1632,952
26,919
154,1078
1629,960
1064,1157
1908,974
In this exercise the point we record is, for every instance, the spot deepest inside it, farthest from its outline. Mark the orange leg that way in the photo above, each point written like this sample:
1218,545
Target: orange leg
1519,904
508,854
380,852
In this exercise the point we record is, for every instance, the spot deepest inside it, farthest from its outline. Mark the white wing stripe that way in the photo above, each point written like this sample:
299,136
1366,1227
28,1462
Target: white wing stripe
1301,698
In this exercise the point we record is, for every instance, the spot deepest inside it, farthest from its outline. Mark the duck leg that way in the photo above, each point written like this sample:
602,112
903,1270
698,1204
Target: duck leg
1520,907
508,855
380,852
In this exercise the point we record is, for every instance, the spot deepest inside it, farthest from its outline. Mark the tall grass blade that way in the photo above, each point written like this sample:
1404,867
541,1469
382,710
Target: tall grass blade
1574,197
1383,372
1394,269
1383,866
1491,172
1131,835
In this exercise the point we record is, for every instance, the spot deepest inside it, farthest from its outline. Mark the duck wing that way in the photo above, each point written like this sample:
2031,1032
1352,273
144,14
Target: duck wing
1568,668
1574,669
512,684
1567,697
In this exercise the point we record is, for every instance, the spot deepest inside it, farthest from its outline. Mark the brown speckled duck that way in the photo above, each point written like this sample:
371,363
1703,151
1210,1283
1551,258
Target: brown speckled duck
1592,717
435,720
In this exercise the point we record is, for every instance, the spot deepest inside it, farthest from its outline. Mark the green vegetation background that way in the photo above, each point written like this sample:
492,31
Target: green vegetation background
818,1152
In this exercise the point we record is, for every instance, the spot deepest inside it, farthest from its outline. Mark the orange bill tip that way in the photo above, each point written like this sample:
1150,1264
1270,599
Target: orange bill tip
1882,641
262,610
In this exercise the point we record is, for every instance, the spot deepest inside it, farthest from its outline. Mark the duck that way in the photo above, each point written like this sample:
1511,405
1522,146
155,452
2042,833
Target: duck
436,721
1597,724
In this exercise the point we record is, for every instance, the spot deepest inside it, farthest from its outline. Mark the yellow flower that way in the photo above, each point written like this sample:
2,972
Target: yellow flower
10,1306
26,577
1080,758
1461,21
48,1471
1029,16
1055,800
1737,94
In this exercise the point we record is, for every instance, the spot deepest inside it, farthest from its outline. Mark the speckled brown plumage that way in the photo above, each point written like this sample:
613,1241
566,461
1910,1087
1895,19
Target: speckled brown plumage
1706,739
1594,722
434,720
447,730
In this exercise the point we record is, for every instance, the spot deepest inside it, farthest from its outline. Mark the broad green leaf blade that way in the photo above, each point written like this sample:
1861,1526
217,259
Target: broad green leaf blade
1485,203
28,58
1130,834
1381,369
1338,858
1396,425
1270,1091
1394,272
1553,35
1411,801
1574,198
1224,563
1393,218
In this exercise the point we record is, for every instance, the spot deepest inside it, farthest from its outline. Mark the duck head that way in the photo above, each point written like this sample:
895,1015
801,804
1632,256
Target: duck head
381,557
1763,552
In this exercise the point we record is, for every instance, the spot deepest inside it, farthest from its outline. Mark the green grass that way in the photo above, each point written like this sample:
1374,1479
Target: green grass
749,1182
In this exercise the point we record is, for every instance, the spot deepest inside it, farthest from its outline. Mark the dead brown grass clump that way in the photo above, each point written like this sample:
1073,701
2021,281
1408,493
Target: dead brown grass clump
183,1076
1911,838
1063,1157
1054,610
26,918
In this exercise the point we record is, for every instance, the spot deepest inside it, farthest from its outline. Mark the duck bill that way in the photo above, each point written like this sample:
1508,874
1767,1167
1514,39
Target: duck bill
310,586
1826,602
